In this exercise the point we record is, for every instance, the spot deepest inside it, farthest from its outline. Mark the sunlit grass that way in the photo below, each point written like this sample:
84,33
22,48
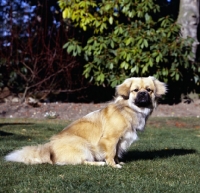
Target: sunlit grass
165,159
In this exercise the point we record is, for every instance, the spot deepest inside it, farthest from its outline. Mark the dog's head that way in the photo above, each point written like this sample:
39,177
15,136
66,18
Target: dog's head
142,92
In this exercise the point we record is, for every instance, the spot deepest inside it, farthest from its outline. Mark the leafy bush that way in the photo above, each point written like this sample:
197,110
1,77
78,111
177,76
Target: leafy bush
128,38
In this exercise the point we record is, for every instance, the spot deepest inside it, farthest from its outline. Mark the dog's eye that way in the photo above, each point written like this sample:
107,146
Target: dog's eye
136,90
148,90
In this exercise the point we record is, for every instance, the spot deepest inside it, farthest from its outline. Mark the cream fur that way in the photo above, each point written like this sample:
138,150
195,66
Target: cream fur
101,137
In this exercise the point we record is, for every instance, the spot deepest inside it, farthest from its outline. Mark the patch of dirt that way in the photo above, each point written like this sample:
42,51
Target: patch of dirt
73,111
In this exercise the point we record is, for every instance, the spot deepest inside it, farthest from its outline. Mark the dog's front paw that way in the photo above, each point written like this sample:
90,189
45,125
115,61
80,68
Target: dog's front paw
113,164
117,166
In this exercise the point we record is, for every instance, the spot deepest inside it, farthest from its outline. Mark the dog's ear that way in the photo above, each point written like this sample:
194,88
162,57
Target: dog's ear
124,88
161,87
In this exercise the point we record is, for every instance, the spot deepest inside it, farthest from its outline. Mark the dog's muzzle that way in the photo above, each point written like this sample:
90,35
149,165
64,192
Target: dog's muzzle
143,99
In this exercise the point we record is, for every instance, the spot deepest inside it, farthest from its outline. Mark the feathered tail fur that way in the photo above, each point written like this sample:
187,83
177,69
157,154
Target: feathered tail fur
31,155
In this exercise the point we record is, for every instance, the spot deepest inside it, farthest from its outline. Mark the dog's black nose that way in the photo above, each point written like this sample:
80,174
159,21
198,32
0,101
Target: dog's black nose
142,94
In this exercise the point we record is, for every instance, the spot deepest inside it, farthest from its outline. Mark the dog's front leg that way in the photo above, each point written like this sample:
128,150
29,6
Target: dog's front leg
108,146
117,161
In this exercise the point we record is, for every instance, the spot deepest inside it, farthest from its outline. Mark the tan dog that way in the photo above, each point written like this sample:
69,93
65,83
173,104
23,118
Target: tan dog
101,137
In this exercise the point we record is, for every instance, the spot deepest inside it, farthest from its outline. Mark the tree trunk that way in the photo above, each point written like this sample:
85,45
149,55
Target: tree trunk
188,18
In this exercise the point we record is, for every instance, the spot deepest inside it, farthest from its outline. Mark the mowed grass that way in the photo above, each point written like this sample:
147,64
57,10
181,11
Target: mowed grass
165,159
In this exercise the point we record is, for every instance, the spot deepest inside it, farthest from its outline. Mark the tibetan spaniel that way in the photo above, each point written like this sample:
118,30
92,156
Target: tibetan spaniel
102,136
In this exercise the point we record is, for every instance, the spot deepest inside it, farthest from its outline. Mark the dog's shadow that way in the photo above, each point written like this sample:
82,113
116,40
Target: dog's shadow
155,154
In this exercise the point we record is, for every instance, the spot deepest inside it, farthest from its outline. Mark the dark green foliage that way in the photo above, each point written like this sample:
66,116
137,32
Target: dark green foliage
130,38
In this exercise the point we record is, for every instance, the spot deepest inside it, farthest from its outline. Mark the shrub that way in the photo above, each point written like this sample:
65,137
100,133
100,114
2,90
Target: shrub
128,38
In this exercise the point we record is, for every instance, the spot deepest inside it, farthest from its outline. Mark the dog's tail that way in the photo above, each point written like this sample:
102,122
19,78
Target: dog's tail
32,155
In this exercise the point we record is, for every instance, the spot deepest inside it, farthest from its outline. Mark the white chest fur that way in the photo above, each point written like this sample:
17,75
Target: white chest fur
125,142
141,121
131,134
142,116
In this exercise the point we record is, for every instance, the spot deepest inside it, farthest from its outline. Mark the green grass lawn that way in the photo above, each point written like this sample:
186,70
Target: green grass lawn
165,159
